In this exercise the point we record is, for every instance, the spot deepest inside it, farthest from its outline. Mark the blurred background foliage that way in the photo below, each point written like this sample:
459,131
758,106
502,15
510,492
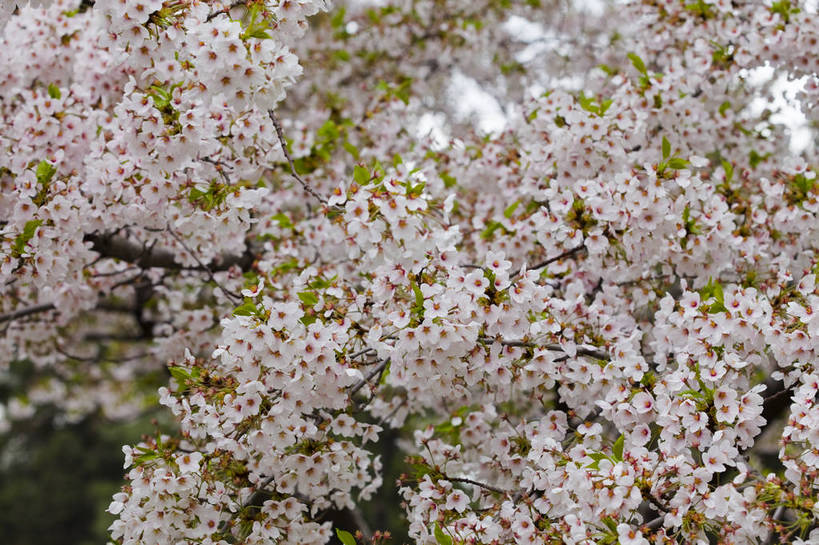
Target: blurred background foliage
57,480
57,477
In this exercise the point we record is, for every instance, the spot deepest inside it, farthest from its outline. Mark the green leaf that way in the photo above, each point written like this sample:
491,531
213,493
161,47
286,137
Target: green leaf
54,91
385,373
180,375
308,298
510,210
617,448
361,175
160,95
415,190
145,457
441,537
403,91
729,171
346,538
714,289
351,149
596,456
490,229
45,171
338,18
701,8
658,101
784,9
754,158
322,283
248,308
696,394
22,239
638,63
588,104
308,319
677,163
283,221
448,179
418,308
610,524
666,148
258,33
609,70
328,132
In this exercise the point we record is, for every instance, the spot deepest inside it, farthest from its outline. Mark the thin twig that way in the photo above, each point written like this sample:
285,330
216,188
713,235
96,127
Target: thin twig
551,260
78,358
598,354
225,525
382,421
361,353
777,515
283,143
476,483
380,367
233,296
219,166
224,11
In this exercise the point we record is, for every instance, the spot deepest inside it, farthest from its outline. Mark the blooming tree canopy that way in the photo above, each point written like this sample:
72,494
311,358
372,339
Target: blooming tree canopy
589,325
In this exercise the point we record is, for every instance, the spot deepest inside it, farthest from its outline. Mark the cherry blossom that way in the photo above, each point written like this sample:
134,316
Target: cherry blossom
596,325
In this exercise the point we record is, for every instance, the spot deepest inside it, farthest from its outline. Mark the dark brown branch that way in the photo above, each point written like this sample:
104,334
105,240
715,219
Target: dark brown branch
551,260
224,11
656,523
219,166
777,400
378,369
117,247
28,311
361,353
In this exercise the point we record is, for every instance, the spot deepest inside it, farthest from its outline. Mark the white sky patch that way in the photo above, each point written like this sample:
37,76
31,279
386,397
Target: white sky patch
471,100
784,104
431,127
524,30
351,27
594,7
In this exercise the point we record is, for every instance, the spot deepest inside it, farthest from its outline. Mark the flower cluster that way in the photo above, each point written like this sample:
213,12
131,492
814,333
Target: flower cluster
598,325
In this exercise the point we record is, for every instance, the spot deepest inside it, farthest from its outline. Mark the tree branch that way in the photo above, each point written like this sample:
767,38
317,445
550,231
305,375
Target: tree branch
117,247
549,261
598,354
20,313
233,296
477,483
380,367
656,523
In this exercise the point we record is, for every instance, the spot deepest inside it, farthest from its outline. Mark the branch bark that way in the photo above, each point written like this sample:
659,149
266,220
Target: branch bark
567,253
117,247
22,312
